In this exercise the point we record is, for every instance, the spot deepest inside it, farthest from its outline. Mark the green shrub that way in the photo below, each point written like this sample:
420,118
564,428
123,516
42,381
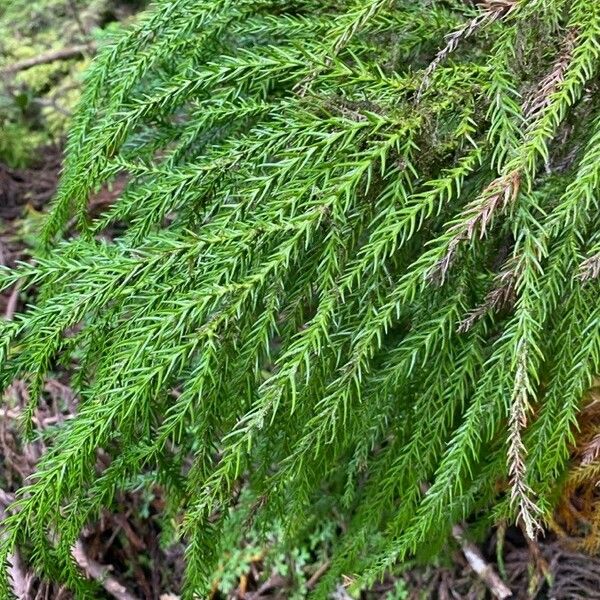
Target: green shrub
355,277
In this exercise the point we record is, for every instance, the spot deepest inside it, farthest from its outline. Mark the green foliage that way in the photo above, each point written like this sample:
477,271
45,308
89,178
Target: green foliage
36,103
292,564
353,277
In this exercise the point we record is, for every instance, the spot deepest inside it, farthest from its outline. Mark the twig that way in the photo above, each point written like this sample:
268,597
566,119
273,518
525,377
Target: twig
20,579
310,584
11,305
48,57
99,573
483,570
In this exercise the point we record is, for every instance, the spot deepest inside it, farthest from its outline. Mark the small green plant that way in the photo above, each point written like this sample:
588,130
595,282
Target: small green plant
357,275
243,544
400,591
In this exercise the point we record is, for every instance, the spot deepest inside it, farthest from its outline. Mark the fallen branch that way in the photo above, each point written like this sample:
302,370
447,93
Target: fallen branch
310,584
100,574
49,57
13,299
483,569
20,579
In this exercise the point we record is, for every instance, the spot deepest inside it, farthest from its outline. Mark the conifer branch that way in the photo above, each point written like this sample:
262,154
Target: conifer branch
491,10
264,310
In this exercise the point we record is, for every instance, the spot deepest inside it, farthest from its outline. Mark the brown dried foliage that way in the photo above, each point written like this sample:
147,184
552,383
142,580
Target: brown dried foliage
504,190
577,517
541,98
500,297
491,10
590,268
520,492
476,218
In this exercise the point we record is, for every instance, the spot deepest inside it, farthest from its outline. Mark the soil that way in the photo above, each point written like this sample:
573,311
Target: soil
33,186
